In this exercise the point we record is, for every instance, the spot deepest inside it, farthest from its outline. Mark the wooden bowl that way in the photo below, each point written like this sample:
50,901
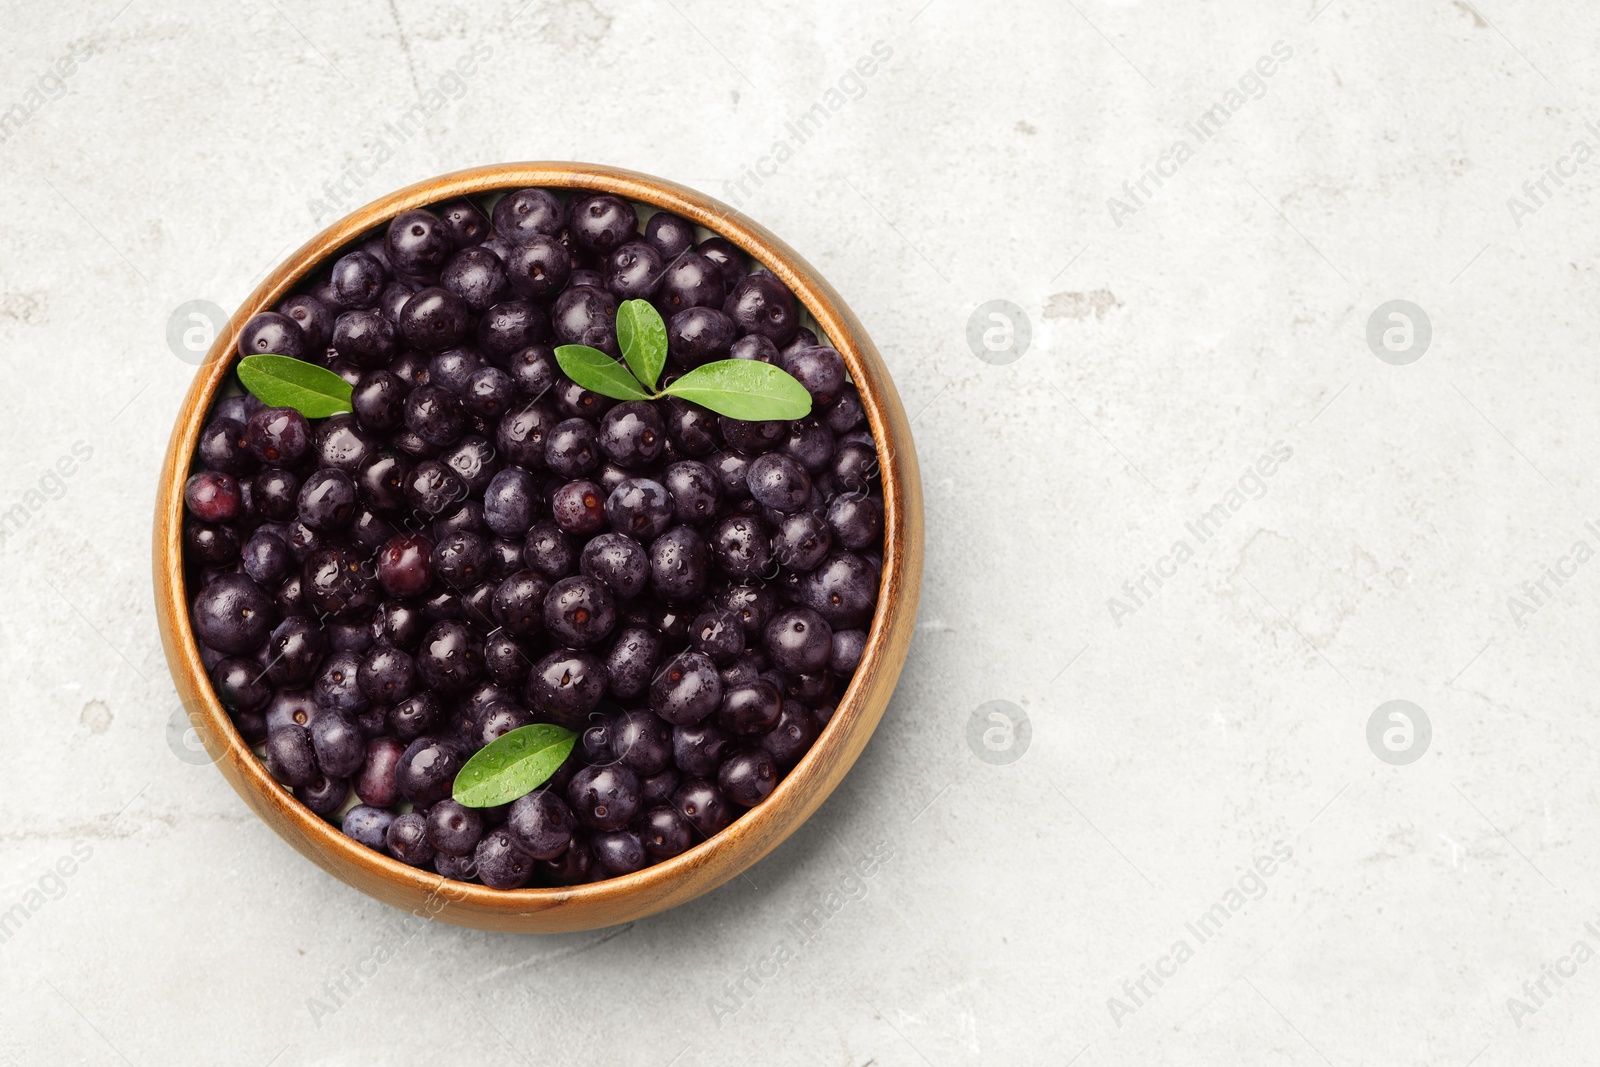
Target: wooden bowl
749,838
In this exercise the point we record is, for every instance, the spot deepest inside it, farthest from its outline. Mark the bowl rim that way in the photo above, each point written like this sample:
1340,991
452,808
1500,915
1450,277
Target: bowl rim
712,861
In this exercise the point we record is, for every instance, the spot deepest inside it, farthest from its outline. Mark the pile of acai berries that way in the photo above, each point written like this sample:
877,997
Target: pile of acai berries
482,544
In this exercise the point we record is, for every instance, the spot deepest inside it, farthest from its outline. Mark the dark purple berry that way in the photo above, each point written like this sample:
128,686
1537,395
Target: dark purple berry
539,267
760,304
340,748
337,688
820,369
378,783
703,804
642,742
365,337
802,541
778,482
291,757
798,640
585,315
510,326
604,798
541,824
617,561
618,852
550,551
427,770
727,256
461,559
276,494
640,508
579,612
632,434
694,489
415,716
521,214
631,663
665,832
476,277
418,243
357,280
565,686
579,507
368,825
313,318
748,776
690,281
324,795
672,236
431,487
408,840
572,448
240,684
700,335
686,689
279,437
792,737
271,334
632,271
436,415
678,564
340,582
233,615
435,319
450,657
842,589
327,500
601,223
453,828
755,346
212,496
741,546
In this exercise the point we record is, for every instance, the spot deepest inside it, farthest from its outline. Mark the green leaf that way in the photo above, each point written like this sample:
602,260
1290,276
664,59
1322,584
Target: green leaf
744,389
513,765
642,337
286,382
599,373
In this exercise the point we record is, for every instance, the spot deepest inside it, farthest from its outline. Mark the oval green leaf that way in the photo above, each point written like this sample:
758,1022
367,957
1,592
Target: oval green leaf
744,389
642,336
286,382
599,373
512,765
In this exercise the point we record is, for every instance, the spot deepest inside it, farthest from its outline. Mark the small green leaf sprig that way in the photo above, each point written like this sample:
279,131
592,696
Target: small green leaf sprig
286,382
745,389
512,765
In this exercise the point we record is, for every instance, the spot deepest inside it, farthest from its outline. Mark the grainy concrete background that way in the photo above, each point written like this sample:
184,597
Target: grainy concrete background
1198,747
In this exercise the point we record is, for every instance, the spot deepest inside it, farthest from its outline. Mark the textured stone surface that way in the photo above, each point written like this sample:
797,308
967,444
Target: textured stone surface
1175,338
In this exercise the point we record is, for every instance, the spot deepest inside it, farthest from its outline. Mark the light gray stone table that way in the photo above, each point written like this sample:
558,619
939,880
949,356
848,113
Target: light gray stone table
1208,852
